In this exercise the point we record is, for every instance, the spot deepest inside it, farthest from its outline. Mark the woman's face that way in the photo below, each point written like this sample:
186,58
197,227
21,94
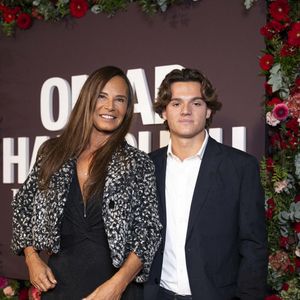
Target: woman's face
111,106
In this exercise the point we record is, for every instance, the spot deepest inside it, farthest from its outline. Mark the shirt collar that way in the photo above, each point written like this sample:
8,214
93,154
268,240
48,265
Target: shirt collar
200,152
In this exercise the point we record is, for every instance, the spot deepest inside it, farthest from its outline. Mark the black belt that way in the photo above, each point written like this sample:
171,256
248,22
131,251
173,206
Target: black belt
174,296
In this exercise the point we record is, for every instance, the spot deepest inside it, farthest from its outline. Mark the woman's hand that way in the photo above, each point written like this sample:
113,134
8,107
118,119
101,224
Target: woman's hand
113,288
109,290
40,274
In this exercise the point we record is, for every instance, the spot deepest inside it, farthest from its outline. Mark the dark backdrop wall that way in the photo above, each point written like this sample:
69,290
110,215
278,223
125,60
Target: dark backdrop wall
218,37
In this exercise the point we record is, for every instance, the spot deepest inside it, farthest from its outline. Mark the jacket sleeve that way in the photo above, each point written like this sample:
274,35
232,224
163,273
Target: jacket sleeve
22,206
252,234
146,232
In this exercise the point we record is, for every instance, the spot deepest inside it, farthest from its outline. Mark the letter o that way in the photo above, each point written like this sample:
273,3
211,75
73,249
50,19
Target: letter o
46,103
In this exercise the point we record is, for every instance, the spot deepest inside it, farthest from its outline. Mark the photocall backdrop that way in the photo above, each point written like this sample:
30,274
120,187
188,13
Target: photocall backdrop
43,68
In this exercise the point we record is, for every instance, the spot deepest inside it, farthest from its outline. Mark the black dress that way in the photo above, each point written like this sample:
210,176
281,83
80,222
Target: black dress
84,261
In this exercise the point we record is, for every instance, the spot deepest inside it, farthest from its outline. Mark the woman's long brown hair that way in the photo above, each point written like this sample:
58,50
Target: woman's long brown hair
76,135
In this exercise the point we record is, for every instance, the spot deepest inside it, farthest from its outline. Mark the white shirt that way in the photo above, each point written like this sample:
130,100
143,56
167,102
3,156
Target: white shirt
181,179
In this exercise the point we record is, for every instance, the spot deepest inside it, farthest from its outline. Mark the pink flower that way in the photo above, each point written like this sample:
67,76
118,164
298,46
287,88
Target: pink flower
279,186
271,120
293,105
280,111
34,294
279,261
8,291
3,282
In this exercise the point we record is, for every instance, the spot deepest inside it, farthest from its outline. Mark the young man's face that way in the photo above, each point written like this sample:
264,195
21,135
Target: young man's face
187,112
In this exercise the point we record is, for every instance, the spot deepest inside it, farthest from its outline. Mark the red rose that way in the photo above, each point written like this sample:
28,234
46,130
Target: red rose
296,87
287,50
291,269
283,242
24,21
279,10
266,62
270,29
274,101
8,15
273,297
3,282
297,82
16,10
297,227
269,213
283,145
285,286
2,7
294,35
266,32
269,165
23,294
297,198
297,262
78,8
271,202
268,89
293,142
275,139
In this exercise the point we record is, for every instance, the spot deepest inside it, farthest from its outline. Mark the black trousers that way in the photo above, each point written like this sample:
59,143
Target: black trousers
165,294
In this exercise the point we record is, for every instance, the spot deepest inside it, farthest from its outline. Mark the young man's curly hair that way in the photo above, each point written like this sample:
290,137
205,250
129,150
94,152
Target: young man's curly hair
186,75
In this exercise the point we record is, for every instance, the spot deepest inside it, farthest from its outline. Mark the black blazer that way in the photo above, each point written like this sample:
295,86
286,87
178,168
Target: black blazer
226,244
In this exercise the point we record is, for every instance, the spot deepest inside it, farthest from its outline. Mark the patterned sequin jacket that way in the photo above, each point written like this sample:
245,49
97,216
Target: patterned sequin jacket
129,209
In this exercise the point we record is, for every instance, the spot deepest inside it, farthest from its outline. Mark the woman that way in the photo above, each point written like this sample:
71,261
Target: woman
90,201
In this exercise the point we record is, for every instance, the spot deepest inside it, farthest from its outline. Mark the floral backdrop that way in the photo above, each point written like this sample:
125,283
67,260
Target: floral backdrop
21,14
280,169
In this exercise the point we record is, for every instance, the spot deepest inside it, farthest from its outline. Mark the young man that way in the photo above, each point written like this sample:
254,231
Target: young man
211,203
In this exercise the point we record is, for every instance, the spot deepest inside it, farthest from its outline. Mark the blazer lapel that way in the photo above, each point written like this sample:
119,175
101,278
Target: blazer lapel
160,162
206,177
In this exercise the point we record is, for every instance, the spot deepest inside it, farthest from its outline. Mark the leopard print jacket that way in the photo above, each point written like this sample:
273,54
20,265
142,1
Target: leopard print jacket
129,209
